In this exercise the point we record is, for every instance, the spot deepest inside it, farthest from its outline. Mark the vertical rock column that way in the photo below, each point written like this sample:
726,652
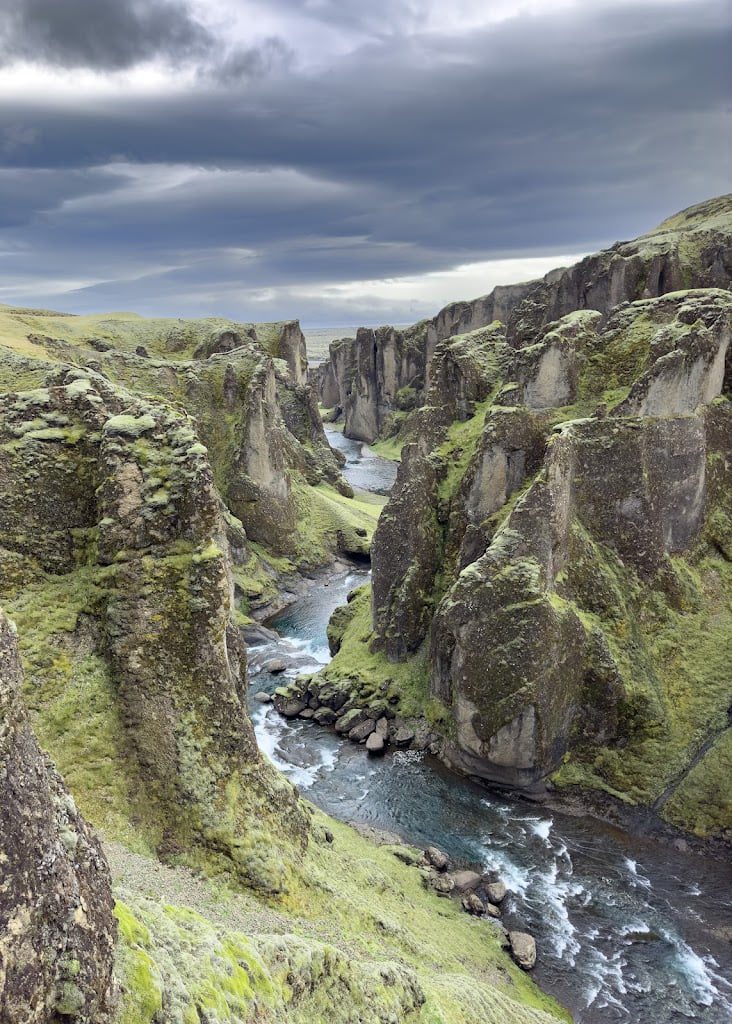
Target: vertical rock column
57,930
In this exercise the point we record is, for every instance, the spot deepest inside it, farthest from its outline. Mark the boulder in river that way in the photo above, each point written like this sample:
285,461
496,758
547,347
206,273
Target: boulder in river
290,707
465,881
324,716
376,744
496,892
263,697
275,666
403,737
523,949
361,732
350,719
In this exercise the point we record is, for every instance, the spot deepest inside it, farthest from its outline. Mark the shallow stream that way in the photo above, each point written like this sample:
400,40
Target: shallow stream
627,929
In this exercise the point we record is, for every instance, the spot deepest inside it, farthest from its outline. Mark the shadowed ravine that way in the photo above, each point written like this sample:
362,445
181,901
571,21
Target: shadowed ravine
627,929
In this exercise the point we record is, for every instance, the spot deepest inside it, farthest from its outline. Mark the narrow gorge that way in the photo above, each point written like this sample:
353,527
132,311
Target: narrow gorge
325,691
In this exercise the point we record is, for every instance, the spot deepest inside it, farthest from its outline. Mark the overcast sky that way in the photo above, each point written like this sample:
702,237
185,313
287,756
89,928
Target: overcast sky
343,162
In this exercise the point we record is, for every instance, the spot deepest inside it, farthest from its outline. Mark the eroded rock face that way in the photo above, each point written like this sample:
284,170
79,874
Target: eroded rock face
57,929
515,541
254,411
367,376
93,479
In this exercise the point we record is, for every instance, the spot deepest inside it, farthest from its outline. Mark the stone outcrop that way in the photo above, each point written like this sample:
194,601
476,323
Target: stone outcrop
116,497
57,930
541,547
372,380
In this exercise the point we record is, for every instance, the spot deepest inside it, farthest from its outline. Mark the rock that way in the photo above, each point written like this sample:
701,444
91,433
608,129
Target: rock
473,904
403,737
465,881
523,949
290,707
491,910
361,732
307,714
408,855
262,697
442,884
324,716
56,912
496,892
275,666
349,720
382,727
254,635
436,858
375,744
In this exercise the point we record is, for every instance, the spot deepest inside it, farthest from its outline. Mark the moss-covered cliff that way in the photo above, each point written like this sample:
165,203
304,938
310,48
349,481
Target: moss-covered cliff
376,378
552,570
121,560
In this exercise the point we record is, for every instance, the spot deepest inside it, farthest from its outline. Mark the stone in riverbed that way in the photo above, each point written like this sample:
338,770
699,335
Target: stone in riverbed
306,713
465,881
523,949
324,716
490,910
382,727
375,744
361,732
436,858
275,666
496,892
349,720
290,707
403,737
263,697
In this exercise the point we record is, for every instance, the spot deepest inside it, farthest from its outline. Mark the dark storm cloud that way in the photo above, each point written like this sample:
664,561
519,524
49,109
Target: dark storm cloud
413,153
106,34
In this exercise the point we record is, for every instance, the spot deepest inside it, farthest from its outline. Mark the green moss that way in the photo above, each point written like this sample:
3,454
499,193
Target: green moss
359,938
73,700
458,449
371,677
330,521
672,644
702,802
129,426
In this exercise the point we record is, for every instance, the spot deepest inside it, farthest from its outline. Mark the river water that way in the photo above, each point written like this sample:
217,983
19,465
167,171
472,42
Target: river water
627,929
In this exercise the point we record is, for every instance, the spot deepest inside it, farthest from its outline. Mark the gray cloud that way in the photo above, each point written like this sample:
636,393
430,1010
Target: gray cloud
413,153
106,34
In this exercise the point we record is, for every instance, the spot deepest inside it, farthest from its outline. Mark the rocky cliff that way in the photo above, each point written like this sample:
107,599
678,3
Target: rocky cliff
374,379
565,558
116,561
57,930
125,568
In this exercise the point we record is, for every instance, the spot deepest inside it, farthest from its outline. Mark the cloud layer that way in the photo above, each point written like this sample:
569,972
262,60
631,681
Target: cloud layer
339,161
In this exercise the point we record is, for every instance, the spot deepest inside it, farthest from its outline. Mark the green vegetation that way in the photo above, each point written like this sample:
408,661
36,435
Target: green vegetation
359,939
369,675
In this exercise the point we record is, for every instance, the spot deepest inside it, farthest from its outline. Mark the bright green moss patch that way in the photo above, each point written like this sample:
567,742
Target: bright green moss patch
330,521
73,700
370,674
702,803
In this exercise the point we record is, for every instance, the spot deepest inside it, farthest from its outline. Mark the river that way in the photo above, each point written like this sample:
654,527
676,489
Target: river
627,929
